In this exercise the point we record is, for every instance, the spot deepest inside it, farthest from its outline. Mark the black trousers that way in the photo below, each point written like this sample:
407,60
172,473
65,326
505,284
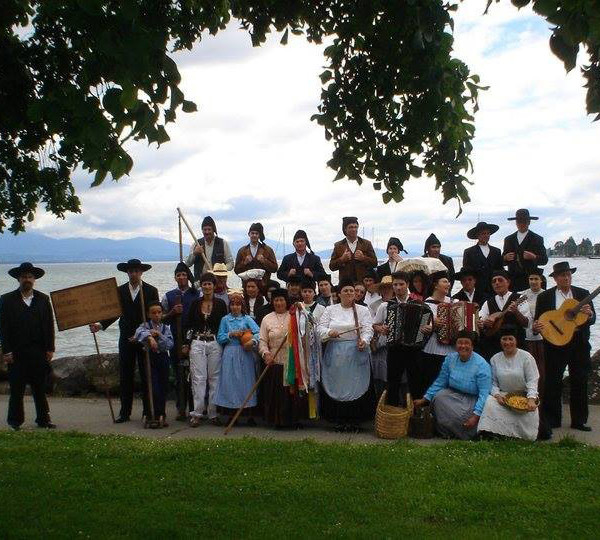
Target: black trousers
28,369
576,355
428,367
401,360
129,355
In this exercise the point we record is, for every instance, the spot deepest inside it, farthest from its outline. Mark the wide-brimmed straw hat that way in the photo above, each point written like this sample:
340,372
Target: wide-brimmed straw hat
26,268
220,269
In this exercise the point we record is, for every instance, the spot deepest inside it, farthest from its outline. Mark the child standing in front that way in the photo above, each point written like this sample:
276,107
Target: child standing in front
157,337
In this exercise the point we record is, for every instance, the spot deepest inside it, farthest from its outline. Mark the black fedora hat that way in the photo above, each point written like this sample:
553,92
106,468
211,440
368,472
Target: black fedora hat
561,267
133,263
26,268
522,214
464,272
482,225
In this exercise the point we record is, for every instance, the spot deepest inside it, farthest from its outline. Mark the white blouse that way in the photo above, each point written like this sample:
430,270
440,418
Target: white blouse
518,373
339,318
433,345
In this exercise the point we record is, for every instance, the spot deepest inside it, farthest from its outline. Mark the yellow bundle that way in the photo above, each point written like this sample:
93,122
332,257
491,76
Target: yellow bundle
517,402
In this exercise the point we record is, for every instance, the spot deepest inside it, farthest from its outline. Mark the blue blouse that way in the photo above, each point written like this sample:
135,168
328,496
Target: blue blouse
231,323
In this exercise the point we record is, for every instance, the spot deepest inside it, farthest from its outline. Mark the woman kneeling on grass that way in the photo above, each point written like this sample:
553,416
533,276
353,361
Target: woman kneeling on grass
513,371
459,393
238,363
349,395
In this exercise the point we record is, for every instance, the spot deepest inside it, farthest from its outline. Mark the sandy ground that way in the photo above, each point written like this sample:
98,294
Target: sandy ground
93,416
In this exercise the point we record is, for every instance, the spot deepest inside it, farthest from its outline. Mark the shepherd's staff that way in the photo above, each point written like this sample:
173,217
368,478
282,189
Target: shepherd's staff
112,412
179,335
253,389
152,421
180,240
194,237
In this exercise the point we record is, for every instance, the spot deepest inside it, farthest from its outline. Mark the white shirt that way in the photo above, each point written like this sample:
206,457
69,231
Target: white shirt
300,258
27,299
208,251
133,291
393,265
339,318
251,302
253,249
523,308
561,297
485,249
532,301
352,245
470,295
521,236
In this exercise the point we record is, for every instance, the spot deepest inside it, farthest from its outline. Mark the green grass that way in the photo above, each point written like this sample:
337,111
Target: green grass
76,485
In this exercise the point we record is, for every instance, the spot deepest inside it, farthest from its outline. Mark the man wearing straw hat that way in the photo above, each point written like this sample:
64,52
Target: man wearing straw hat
27,329
211,249
131,318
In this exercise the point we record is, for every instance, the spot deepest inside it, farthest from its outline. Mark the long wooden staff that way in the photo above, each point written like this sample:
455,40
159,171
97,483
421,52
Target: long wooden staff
147,360
179,336
194,237
180,240
110,405
253,389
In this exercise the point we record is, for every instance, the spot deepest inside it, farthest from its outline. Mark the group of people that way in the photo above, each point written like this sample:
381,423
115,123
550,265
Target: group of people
325,350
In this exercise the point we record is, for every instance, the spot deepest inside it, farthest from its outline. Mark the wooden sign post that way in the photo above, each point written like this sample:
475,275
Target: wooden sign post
86,304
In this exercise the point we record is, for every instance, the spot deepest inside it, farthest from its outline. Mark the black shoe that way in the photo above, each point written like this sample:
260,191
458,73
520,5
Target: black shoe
122,419
339,428
181,417
14,427
581,427
47,425
555,425
251,422
544,435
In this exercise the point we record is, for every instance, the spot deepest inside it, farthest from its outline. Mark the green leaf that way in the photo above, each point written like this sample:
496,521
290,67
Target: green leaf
284,39
387,197
99,177
189,106
128,97
325,76
162,135
567,53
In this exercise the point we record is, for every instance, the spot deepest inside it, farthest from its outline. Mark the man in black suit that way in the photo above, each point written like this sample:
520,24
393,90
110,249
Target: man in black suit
523,250
470,291
302,263
27,329
394,247
131,318
432,249
482,258
576,354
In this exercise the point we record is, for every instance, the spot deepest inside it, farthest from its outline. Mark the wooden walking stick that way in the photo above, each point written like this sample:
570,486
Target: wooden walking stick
110,405
253,389
180,240
194,237
151,422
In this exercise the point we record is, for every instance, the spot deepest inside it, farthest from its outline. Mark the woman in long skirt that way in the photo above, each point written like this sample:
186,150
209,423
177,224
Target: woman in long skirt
348,396
282,407
238,363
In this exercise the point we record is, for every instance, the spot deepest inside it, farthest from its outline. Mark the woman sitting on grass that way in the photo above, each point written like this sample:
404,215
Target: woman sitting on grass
459,393
513,371
238,363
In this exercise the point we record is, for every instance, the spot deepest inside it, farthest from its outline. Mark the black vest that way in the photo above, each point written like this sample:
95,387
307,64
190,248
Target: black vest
218,256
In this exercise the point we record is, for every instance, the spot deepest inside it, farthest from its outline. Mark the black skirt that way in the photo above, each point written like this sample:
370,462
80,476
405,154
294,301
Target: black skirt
282,408
348,412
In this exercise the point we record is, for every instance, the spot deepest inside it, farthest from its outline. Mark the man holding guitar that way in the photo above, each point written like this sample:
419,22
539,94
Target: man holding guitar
505,307
563,316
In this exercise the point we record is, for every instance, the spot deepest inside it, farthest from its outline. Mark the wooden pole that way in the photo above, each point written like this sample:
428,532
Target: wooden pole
193,236
253,389
180,240
110,405
147,359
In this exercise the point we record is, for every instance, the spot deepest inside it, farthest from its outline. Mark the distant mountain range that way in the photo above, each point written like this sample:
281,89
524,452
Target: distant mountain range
40,248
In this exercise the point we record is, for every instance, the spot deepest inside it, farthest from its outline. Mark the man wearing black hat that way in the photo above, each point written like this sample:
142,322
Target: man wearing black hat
211,247
131,318
523,250
176,306
303,262
503,301
482,258
394,247
353,255
256,254
470,291
575,354
432,249
27,329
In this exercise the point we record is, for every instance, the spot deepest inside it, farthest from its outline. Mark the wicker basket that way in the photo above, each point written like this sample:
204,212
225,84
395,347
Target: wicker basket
392,422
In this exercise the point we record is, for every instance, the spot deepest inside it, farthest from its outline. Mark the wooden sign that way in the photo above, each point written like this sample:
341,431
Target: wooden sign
86,304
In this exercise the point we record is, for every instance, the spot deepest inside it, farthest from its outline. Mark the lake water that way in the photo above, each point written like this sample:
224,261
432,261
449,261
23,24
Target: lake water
79,341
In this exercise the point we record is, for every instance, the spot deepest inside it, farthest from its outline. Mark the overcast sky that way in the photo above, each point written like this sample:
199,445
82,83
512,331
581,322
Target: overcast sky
251,153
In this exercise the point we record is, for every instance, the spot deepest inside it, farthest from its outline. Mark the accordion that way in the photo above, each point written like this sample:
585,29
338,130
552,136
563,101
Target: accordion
456,317
405,323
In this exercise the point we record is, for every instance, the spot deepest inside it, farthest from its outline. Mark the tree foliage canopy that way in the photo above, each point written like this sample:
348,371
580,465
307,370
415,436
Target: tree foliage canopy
79,78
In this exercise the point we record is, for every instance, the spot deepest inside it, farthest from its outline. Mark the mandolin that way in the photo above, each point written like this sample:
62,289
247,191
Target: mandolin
560,324
498,318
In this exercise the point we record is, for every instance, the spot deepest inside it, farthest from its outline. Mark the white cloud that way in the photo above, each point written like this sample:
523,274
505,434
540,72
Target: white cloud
252,137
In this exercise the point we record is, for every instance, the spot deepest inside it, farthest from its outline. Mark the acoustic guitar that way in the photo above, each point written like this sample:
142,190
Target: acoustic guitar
561,324
498,318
